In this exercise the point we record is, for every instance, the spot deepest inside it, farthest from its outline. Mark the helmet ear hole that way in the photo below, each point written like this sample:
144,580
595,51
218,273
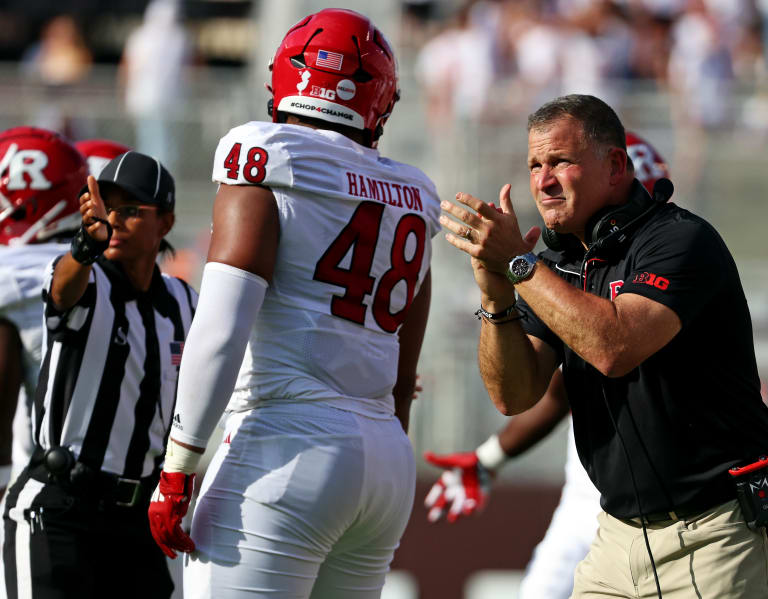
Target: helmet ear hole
362,76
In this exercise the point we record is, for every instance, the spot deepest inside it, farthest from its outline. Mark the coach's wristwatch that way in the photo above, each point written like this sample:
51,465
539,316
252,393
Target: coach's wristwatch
521,267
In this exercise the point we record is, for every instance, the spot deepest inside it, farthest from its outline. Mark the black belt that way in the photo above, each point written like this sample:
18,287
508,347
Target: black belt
58,465
684,512
123,492
678,514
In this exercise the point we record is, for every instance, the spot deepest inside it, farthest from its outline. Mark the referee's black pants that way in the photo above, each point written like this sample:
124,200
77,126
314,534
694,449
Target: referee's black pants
59,545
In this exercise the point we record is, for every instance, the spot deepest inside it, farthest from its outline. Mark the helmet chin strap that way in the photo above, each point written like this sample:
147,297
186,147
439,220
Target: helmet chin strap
5,203
30,233
8,208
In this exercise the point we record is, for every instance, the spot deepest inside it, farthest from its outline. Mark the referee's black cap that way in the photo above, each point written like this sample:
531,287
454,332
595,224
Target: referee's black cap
141,176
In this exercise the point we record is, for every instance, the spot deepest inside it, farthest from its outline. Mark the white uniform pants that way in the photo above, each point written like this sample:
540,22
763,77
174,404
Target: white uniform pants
301,500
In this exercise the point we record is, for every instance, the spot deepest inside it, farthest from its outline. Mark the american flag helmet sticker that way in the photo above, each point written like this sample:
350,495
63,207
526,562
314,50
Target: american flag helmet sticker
177,348
329,60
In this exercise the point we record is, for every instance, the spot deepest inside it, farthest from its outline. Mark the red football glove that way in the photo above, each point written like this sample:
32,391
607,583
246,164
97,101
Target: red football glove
168,506
464,485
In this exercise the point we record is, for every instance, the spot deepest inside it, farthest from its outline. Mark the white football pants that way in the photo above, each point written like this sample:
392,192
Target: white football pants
301,500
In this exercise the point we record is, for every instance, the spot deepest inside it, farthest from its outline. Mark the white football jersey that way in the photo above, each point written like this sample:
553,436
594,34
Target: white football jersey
355,246
22,269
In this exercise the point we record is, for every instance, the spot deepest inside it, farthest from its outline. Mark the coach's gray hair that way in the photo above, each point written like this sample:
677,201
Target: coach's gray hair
602,127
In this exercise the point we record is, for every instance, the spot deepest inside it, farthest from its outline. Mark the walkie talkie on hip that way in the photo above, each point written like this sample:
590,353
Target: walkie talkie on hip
752,491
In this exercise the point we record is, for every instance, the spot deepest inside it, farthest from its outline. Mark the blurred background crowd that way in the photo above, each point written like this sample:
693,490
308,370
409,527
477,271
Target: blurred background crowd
169,78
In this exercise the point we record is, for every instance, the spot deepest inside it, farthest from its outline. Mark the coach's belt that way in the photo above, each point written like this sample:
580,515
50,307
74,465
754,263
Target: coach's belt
684,512
678,514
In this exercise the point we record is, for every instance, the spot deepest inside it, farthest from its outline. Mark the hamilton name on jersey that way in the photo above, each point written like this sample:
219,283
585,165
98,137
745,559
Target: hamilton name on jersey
388,192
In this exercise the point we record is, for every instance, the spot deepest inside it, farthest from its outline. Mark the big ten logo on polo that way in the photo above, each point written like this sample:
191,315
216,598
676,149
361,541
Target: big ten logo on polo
25,162
651,279
302,85
321,92
346,89
387,192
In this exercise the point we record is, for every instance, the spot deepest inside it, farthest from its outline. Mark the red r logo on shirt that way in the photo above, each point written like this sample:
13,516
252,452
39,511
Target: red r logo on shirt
615,286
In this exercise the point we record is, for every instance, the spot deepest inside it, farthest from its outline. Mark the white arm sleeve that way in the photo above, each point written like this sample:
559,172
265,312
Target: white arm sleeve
230,299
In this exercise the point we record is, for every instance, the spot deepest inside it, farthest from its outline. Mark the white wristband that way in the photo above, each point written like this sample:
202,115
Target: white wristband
180,459
490,454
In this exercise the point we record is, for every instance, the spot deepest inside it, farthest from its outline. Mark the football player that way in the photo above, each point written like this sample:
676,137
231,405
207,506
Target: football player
98,152
464,485
319,274
41,175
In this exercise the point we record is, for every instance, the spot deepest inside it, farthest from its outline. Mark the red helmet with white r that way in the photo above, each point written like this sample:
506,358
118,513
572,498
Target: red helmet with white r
649,165
336,66
41,175
98,152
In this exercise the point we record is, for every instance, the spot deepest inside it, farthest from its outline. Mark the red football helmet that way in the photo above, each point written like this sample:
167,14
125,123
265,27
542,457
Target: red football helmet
41,175
335,65
98,152
649,165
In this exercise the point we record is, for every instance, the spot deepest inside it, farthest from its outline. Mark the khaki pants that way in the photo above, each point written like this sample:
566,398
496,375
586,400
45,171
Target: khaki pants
711,556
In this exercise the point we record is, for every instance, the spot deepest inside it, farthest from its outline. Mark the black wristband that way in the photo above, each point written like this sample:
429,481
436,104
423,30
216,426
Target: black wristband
85,249
509,315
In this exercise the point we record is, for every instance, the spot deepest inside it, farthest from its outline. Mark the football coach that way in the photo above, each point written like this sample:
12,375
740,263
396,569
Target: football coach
640,302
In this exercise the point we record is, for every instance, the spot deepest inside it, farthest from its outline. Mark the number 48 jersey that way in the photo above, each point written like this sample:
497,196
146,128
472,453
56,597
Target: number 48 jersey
355,246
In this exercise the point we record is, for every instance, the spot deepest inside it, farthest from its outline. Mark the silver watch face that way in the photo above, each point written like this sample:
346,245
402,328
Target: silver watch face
520,267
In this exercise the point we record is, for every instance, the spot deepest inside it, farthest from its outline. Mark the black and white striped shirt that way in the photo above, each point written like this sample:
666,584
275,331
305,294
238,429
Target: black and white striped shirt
107,385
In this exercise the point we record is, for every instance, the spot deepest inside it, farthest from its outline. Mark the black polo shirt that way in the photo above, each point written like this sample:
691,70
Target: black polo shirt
692,410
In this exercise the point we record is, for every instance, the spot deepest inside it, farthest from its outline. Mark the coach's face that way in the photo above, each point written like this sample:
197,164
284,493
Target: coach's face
570,181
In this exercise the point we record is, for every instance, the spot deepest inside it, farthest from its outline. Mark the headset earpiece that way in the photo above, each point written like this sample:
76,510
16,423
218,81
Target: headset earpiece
559,242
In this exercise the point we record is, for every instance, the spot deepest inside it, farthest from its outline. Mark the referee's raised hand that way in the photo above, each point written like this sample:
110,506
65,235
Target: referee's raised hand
94,212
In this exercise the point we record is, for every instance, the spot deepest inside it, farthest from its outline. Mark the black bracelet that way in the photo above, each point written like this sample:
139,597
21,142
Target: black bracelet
509,315
84,248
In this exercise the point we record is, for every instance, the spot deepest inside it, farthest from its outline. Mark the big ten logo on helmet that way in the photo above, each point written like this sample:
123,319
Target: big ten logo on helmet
321,92
25,162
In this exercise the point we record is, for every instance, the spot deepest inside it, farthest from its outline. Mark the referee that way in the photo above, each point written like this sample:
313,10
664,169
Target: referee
75,522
